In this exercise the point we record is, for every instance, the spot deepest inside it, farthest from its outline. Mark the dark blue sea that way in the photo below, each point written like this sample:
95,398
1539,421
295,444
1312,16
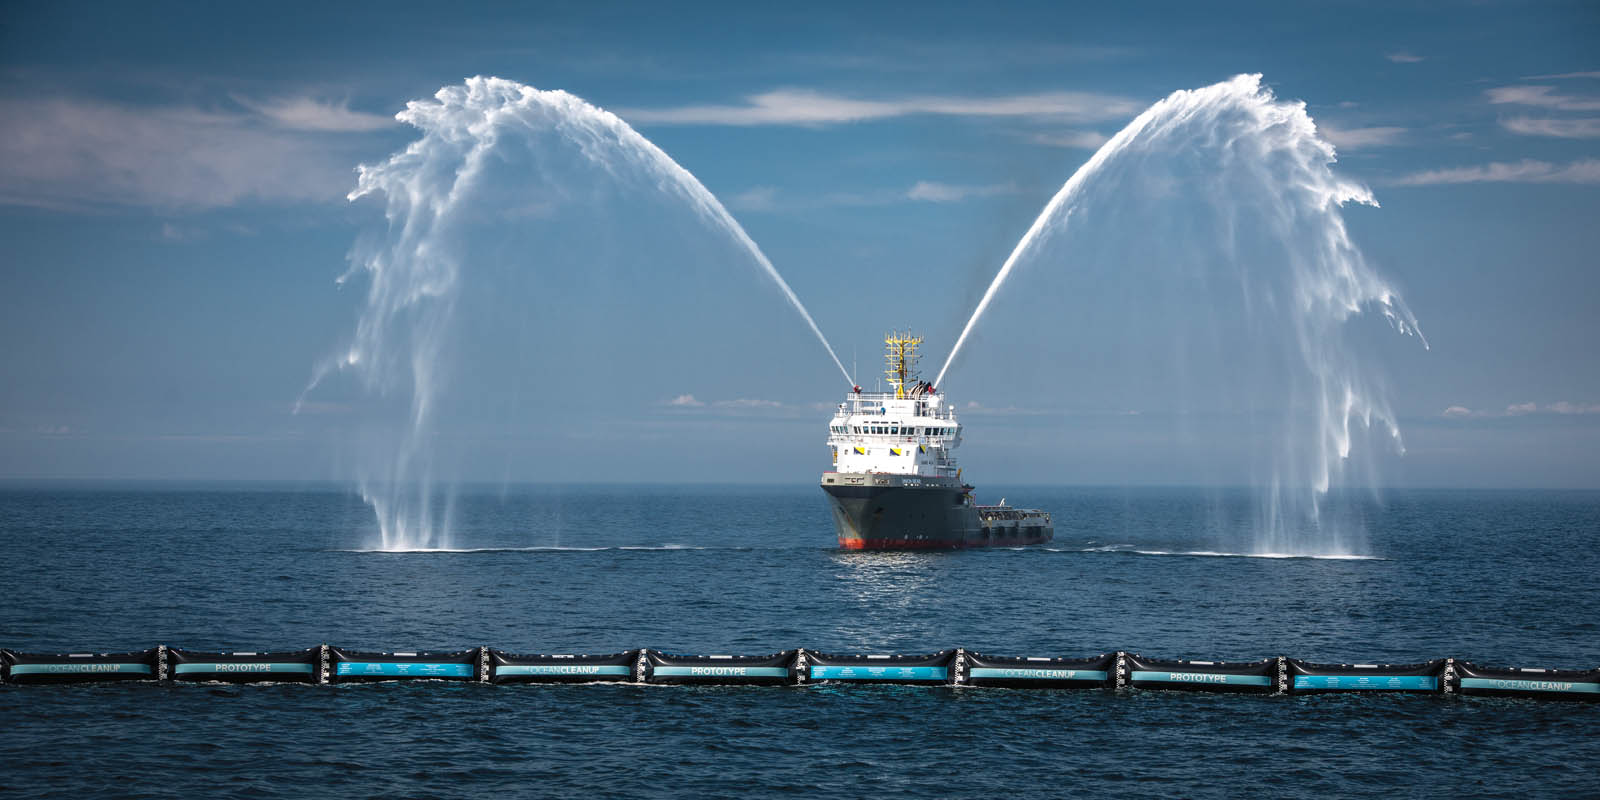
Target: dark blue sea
1497,578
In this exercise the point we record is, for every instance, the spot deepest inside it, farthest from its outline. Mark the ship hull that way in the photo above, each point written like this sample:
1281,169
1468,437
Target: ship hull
890,512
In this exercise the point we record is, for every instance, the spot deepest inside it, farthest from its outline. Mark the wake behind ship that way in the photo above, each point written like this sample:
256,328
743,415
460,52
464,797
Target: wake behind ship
895,484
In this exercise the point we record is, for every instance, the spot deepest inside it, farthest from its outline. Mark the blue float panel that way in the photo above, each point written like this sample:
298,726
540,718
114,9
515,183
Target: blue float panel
562,669
1040,674
865,672
244,667
1508,685
80,669
406,669
711,671
1401,682
1220,678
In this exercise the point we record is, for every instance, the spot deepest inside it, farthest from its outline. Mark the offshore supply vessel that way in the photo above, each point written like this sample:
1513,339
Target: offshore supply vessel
895,484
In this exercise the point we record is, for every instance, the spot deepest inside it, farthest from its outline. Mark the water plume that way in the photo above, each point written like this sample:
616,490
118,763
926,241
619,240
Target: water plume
439,193
1230,191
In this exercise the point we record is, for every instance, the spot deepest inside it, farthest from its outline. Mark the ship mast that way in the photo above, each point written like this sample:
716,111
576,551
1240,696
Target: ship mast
900,353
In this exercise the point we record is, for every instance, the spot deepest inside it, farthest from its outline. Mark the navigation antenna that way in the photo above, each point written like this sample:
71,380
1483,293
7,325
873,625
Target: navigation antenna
901,355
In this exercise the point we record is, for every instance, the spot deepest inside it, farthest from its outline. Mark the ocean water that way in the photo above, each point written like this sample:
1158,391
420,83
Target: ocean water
1497,578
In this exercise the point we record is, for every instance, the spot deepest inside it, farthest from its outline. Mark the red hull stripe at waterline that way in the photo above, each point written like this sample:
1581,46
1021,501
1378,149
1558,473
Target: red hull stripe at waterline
928,544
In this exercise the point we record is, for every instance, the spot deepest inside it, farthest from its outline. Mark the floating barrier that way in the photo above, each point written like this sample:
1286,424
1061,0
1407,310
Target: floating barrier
142,665
1260,677
1551,684
931,669
1427,678
349,667
303,666
1095,672
955,667
621,667
772,670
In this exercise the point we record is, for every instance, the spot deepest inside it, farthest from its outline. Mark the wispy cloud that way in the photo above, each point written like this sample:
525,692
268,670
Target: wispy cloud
74,153
1584,128
1403,57
1562,76
1542,97
935,192
310,114
1357,138
685,401
1080,140
1559,408
809,107
760,198
1526,171
748,402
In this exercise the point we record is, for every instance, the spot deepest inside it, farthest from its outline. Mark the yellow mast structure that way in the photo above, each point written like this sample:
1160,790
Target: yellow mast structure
901,355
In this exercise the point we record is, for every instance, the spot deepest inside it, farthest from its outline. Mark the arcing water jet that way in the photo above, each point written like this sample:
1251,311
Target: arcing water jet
1255,165
433,190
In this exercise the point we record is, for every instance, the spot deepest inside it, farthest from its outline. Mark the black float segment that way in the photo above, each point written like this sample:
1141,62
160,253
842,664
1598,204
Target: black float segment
935,669
563,668
1021,672
1309,678
776,669
353,667
1258,677
31,668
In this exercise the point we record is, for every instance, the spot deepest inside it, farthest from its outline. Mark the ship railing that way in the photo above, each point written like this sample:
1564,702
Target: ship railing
874,402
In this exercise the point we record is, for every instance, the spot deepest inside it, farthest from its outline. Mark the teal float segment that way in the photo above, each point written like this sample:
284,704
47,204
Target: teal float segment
1039,674
406,669
866,672
190,669
1219,678
1401,682
722,672
561,669
79,669
1504,684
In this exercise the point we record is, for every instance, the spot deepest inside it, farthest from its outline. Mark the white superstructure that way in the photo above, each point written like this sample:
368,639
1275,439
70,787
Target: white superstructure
909,431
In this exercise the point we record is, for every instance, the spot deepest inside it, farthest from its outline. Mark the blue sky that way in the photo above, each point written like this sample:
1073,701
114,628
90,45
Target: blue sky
172,198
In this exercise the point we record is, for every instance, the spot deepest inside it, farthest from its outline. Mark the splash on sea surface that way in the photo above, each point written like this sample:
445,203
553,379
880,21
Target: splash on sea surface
1228,190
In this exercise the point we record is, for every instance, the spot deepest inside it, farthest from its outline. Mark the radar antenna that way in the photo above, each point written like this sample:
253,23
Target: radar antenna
901,355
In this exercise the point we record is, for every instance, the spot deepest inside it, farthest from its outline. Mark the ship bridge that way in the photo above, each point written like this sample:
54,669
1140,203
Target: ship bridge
908,431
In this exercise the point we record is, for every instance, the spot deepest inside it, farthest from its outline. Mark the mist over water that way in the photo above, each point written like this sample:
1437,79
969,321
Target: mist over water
1210,231
479,198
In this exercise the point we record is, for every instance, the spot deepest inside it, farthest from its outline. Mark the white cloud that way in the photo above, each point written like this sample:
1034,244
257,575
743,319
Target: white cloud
1587,128
1526,171
1356,138
1562,76
761,198
1403,57
935,192
64,153
309,114
1081,140
1541,97
685,400
747,402
1564,407
808,107
1561,407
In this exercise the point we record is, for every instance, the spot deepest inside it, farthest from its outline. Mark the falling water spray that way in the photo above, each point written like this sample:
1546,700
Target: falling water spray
1252,148
415,268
